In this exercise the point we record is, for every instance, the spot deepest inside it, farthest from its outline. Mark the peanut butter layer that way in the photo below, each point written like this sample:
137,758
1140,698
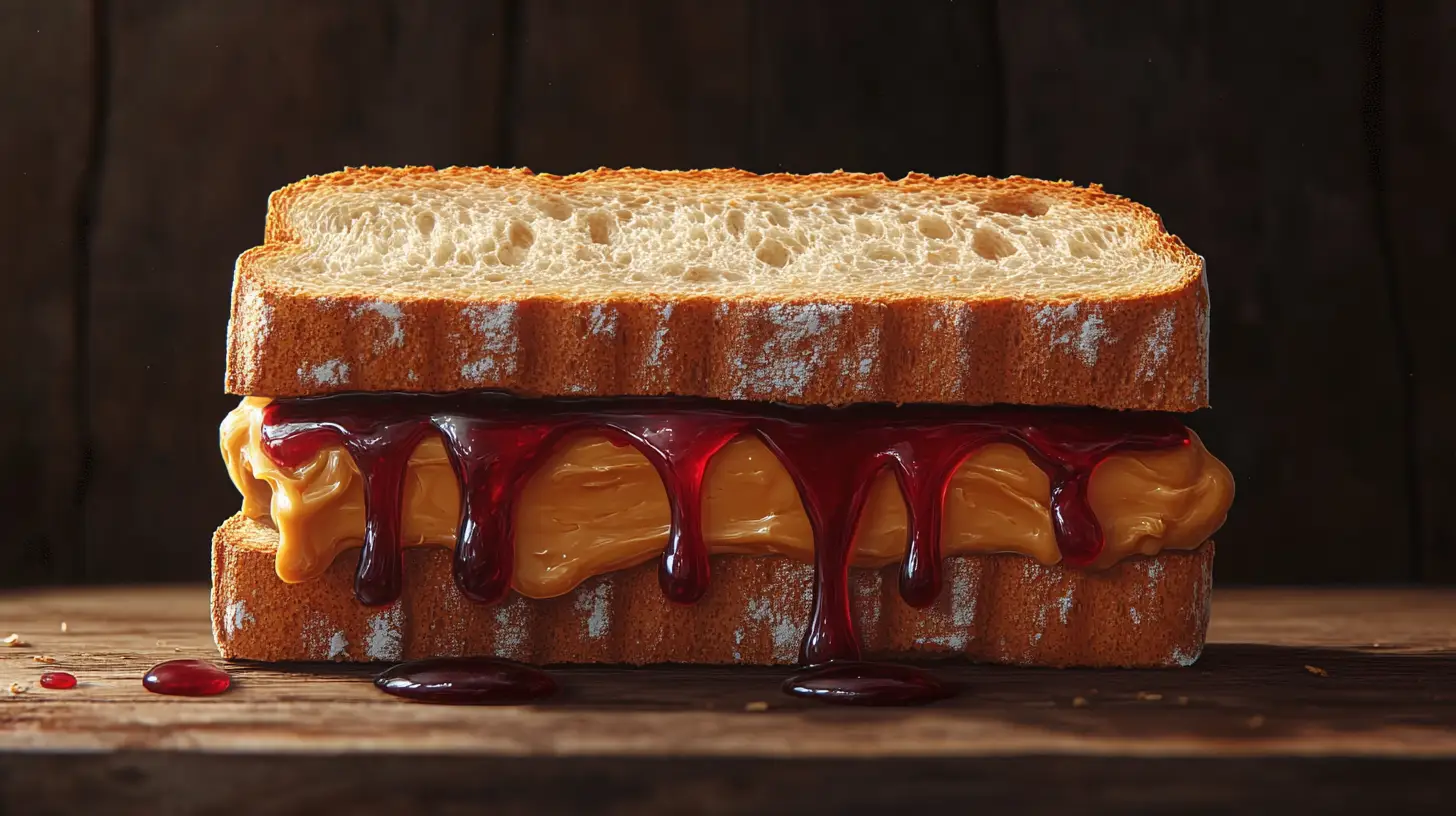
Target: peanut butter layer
594,507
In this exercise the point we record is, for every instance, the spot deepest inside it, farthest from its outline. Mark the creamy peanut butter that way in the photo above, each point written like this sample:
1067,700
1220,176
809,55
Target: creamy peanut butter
593,506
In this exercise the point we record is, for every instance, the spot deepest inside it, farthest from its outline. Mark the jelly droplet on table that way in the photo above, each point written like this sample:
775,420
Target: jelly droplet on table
58,680
466,681
187,678
870,684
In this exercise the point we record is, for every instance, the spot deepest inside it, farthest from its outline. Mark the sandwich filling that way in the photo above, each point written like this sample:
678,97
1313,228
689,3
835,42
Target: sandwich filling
591,504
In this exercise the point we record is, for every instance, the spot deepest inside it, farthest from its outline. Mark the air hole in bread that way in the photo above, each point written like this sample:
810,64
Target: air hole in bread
519,239
553,206
884,253
444,253
778,216
865,226
425,223
991,245
599,226
1083,249
1021,204
734,222
519,234
773,253
933,226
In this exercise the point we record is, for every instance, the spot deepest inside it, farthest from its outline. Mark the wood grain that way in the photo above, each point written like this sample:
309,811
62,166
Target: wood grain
213,106
1247,134
43,159
137,782
877,87
642,83
1251,694
1418,166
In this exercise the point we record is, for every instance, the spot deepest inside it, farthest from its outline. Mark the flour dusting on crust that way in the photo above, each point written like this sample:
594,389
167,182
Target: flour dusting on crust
792,355
235,616
490,353
328,373
386,634
392,315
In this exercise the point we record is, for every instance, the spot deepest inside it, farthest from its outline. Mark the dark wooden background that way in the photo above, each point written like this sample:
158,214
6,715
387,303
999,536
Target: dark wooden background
1307,150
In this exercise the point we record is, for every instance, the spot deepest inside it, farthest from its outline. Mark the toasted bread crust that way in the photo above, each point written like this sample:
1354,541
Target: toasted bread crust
1152,351
1149,612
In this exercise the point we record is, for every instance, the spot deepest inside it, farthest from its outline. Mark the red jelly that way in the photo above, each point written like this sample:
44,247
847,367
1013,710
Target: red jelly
495,441
58,680
187,678
466,681
868,684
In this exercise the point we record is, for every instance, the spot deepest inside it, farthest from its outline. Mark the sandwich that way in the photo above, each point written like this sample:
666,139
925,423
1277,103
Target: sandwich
638,417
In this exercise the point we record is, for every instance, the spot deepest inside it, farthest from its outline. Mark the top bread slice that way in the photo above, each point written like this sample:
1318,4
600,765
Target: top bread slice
822,289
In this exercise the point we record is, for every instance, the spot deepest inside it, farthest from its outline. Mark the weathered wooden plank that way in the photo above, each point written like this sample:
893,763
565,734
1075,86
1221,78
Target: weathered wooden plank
1388,657
1248,135
134,782
45,102
1418,165
877,87
213,106
642,83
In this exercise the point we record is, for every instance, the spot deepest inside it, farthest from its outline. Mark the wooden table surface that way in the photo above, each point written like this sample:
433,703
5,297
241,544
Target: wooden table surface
1337,693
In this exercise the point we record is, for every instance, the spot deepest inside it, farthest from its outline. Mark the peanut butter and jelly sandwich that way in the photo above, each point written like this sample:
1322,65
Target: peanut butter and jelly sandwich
629,416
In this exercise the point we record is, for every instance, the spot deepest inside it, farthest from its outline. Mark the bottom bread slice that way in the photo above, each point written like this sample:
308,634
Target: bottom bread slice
1005,608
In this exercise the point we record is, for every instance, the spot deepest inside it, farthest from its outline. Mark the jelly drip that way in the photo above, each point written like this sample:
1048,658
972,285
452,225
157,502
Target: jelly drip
834,478
926,461
489,459
466,681
186,678
679,448
869,684
58,680
380,446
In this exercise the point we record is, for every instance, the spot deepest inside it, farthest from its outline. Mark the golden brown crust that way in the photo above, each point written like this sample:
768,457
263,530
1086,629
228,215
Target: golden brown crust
1152,352
995,608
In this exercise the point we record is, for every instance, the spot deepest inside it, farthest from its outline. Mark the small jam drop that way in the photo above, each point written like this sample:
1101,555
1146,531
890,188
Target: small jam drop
58,680
870,684
187,678
466,681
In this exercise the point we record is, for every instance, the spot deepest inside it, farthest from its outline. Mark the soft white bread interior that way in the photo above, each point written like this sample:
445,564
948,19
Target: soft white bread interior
511,235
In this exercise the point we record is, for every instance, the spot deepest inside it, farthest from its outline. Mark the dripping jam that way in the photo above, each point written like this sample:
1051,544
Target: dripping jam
494,442
466,681
58,680
874,684
187,678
